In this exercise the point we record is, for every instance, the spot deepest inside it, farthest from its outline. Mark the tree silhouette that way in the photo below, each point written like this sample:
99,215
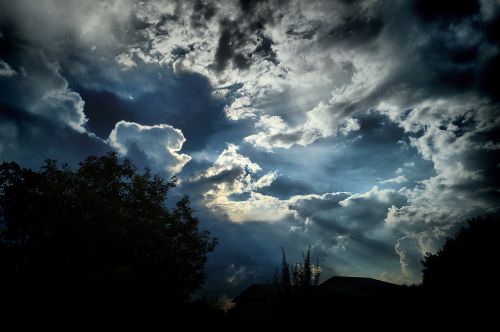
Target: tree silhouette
302,274
307,278
101,226
285,272
468,262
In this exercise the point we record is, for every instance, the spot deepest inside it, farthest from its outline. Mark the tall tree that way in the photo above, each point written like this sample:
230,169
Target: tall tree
285,271
302,274
103,225
316,273
307,279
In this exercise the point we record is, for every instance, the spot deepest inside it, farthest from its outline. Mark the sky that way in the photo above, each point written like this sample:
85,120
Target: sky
368,130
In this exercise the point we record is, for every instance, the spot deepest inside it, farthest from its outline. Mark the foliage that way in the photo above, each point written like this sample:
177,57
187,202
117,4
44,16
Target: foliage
302,274
285,271
466,262
99,226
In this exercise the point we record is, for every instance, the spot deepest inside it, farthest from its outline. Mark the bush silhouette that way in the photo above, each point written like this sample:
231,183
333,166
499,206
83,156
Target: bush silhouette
101,226
468,262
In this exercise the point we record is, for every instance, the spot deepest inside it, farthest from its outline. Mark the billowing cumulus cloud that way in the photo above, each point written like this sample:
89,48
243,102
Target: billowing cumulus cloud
160,144
451,133
349,226
232,174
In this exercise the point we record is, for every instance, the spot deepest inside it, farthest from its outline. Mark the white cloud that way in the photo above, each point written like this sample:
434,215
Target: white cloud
266,180
275,133
229,159
160,144
240,109
6,70
257,207
298,70
397,179
233,174
447,132
349,126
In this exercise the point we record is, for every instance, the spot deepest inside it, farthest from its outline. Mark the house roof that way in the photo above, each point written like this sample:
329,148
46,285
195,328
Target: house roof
333,287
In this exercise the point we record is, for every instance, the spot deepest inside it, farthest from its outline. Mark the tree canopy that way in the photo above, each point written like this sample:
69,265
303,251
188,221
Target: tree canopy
102,225
467,262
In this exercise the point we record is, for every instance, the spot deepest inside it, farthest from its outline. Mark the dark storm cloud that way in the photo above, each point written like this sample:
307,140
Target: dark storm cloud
447,10
384,149
286,138
343,226
284,187
249,5
428,53
306,31
355,29
357,24
229,41
29,140
489,72
346,214
243,39
39,88
203,12
237,48
456,53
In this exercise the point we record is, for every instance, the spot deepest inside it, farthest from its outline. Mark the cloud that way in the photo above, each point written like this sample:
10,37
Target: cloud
30,139
257,207
398,179
102,24
350,226
248,51
159,144
62,104
43,91
6,70
231,175
453,134
331,60
345,212
275,133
